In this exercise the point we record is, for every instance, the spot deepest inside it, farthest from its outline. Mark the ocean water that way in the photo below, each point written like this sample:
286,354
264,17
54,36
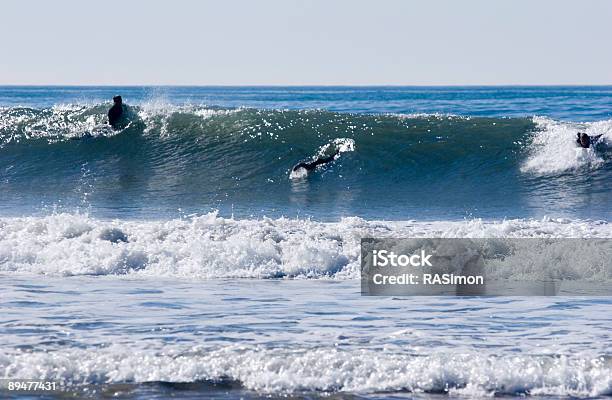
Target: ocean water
181,257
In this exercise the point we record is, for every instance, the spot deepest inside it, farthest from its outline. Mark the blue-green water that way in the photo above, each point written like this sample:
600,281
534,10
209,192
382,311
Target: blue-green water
573,103
181,258
418,153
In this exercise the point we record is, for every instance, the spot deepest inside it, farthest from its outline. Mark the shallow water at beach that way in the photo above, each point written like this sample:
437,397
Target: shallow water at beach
299,337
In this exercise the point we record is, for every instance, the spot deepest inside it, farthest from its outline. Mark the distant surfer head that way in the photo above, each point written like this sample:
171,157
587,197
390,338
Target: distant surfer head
583,140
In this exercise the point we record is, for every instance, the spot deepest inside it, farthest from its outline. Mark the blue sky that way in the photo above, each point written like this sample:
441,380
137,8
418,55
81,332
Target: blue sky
291,42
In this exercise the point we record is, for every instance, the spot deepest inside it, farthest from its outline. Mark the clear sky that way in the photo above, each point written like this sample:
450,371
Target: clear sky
306,42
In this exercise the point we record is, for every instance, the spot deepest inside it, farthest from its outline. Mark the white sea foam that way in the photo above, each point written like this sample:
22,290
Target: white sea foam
555,150
210,246
59,122
68,121
156,113
344,144
298,173
324,369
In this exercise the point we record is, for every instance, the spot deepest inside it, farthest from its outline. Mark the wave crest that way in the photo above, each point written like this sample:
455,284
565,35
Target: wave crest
555,150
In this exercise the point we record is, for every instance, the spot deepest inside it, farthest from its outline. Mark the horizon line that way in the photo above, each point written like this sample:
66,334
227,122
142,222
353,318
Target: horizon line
303,85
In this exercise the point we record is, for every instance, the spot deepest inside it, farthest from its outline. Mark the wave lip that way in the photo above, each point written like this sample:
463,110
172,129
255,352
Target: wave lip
278,371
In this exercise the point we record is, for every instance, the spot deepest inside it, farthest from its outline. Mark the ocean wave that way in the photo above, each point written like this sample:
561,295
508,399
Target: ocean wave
74,121
212,247
554,146
202,158
551,143
278,371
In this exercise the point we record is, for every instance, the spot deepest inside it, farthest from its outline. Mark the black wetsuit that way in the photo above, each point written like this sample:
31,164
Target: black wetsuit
115,115
585,140
309,166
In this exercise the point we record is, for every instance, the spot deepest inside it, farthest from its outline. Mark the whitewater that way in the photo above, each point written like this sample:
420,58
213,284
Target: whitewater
213,247
182,257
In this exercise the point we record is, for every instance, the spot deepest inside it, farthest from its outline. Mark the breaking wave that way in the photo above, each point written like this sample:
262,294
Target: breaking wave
240,160
326,370
212,247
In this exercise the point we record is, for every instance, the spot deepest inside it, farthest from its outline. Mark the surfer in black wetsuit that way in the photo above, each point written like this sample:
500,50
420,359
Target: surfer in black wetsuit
585,140
309,166
116,113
